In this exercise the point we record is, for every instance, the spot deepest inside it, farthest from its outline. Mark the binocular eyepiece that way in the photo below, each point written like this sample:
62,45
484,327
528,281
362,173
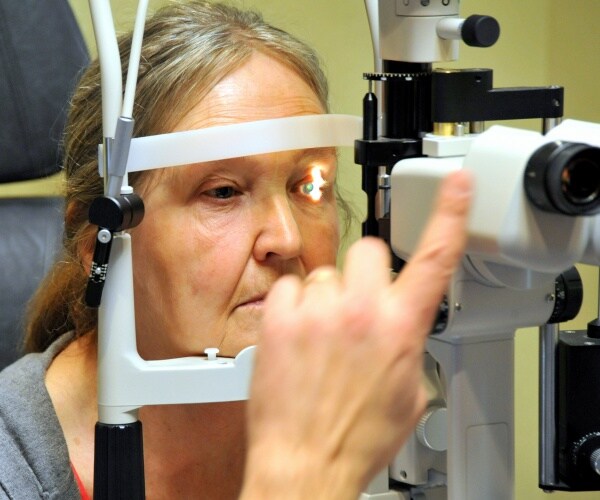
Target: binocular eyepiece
564,177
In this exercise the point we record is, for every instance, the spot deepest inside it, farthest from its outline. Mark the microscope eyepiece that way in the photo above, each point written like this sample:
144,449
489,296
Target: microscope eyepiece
564,177
580,179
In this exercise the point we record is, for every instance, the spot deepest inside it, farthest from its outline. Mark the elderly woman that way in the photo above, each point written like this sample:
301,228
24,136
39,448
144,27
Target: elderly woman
216,239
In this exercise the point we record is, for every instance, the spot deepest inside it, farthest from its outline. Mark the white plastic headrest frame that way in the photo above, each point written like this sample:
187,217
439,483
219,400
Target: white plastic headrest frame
242,139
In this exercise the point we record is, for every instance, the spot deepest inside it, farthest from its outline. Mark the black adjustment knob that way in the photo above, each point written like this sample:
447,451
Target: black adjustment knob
480,31
568,292
585,460
117,213
110,214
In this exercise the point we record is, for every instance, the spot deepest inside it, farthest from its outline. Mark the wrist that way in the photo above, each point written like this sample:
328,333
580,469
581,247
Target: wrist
297,475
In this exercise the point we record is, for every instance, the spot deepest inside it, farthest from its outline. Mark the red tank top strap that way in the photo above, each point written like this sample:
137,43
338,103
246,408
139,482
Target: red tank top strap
84,493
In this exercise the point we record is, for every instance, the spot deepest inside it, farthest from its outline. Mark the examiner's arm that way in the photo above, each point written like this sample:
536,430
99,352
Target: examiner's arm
338,378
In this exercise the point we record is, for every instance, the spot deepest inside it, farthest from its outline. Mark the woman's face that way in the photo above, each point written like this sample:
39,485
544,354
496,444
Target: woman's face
217,235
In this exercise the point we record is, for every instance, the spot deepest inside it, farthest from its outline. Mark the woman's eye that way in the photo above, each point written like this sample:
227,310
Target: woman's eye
314,186
222,193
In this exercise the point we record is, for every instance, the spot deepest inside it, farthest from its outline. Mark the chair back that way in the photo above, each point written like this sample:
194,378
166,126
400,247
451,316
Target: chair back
42,54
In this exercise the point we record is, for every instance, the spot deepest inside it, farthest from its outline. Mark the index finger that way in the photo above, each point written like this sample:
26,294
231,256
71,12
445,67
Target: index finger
425,278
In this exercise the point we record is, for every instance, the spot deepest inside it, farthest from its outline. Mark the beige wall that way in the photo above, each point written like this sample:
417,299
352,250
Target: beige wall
542,42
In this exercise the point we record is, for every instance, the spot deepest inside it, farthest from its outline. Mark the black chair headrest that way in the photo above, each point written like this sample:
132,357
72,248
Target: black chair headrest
42,54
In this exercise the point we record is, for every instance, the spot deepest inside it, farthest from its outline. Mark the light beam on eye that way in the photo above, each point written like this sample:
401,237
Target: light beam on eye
313,188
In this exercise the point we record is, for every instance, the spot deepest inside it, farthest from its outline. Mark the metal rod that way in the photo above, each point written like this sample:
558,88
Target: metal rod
107,151
549,123
547,431
476,127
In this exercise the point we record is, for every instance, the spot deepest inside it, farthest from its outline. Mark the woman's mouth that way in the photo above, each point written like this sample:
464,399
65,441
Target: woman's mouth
253,303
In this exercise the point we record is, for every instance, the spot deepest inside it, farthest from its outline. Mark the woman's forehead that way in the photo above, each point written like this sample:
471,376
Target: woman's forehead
262,88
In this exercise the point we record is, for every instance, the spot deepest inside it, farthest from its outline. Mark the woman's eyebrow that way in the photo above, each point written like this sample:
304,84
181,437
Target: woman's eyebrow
194,171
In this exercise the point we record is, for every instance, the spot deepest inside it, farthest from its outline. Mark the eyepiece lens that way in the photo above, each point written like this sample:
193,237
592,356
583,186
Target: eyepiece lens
564,177
580,180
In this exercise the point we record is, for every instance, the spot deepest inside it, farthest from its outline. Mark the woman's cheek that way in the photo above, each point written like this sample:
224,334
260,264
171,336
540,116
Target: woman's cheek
321,238
216,224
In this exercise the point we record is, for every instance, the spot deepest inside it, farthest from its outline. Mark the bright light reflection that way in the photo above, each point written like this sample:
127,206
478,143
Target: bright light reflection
313,187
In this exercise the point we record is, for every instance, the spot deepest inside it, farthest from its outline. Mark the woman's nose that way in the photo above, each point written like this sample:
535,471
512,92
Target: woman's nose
279,235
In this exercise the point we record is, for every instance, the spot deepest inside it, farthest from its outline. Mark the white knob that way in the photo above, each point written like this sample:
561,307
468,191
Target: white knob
432,430
211,353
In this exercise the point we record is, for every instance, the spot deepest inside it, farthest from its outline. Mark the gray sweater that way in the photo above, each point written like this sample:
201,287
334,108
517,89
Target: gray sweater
34,460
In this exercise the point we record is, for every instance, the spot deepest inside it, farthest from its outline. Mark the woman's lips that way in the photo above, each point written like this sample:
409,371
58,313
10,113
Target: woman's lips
254,302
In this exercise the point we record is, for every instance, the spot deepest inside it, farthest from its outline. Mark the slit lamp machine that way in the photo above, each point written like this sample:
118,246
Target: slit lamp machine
534,216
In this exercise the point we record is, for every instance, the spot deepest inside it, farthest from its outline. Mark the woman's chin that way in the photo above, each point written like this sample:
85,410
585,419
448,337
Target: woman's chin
245,334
